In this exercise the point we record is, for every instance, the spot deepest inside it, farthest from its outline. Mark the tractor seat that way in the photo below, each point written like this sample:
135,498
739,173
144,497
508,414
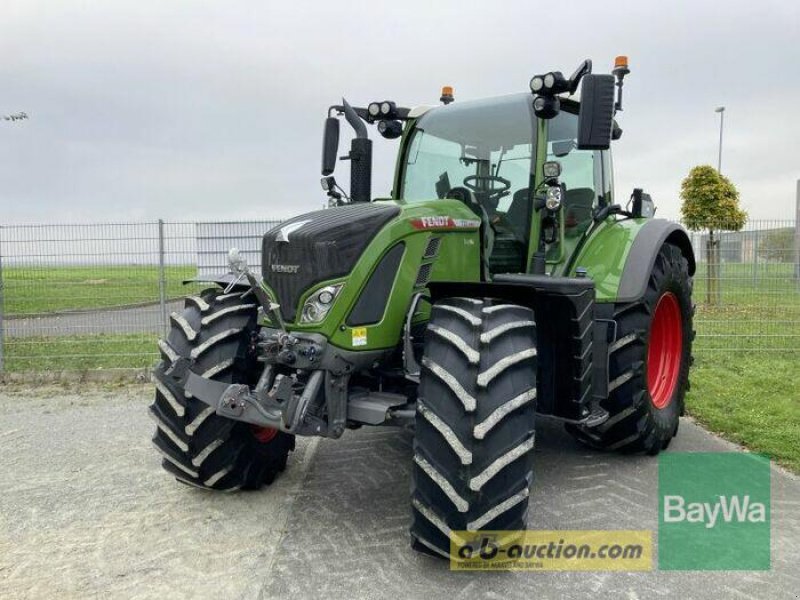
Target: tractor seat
519,213
511,241
578,206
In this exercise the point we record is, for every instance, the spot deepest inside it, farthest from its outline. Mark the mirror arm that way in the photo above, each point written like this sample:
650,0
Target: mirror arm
585,68
355,121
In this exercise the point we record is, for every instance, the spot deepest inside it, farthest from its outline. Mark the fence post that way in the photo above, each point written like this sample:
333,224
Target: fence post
2,290
162,279
797,236
755,256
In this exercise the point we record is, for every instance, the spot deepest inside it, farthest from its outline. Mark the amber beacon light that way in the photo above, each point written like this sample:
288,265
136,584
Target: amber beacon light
620,70
447,94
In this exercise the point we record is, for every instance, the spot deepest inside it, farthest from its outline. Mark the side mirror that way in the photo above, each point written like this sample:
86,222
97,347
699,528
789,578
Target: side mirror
596,117
330,145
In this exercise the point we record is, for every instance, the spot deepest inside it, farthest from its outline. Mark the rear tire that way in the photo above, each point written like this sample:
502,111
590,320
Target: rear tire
648,363
474,434
199,447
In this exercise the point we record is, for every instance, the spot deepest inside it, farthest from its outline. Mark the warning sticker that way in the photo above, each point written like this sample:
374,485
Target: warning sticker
359,336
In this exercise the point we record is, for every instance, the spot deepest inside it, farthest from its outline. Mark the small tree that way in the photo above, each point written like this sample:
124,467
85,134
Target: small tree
711,203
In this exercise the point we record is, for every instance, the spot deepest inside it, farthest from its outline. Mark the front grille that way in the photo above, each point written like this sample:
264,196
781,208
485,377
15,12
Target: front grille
432,248
423,275
325,245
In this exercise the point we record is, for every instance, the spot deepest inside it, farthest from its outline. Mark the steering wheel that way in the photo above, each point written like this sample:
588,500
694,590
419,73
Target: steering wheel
485,184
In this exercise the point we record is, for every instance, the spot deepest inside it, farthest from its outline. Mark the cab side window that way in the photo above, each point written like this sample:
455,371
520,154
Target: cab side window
581,173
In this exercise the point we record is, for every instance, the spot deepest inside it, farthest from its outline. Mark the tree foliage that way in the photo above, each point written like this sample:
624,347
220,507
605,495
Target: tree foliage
710,201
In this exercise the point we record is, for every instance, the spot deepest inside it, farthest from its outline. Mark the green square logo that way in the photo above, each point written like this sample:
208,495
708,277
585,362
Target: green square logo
714,511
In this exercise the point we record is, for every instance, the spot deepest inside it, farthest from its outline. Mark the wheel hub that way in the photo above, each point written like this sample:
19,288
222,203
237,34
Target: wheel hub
665,350
264,434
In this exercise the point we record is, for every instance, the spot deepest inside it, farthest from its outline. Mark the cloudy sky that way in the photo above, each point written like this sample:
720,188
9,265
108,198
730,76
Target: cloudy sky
213,110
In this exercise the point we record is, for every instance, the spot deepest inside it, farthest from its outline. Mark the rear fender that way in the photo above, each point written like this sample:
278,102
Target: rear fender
619,255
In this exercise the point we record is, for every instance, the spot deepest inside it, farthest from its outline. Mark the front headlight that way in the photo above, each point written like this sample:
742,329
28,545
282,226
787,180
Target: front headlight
319,304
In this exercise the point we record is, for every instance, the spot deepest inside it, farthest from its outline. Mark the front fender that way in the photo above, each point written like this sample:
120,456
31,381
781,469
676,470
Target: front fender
619,255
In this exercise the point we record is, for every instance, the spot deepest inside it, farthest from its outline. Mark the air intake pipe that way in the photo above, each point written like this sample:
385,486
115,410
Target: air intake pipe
360,157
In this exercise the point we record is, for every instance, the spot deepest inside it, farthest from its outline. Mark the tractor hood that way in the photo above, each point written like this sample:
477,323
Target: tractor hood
318,246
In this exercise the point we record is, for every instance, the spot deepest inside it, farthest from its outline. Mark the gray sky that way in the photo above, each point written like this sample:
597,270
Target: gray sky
199,110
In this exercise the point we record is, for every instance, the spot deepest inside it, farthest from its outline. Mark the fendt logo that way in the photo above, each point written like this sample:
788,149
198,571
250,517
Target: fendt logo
285,268
435,221
730,509
444,222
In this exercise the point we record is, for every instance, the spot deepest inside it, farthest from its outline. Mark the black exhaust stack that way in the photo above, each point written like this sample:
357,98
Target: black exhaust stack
360,157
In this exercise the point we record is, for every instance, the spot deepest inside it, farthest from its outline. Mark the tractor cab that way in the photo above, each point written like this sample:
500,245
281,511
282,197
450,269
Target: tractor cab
535,169
484,154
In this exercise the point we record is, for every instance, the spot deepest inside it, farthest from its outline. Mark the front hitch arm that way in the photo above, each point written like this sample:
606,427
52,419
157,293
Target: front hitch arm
278,407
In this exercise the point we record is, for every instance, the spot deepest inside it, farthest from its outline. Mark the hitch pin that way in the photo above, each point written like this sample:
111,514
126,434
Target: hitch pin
233,283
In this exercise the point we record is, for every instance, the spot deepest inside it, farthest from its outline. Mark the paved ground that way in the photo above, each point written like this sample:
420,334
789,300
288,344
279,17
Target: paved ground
86,512
140,319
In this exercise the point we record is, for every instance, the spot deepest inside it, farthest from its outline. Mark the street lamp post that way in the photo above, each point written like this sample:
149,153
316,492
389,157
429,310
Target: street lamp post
714,258
721,111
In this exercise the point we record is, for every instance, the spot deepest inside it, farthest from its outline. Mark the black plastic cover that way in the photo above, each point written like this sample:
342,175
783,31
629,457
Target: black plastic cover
361,170
372,302
642,256
326,245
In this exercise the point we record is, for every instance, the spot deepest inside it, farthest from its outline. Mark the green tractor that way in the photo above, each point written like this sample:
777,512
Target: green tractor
499,281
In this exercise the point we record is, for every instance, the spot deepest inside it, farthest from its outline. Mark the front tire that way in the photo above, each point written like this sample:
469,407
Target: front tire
648,363
474,434
197,446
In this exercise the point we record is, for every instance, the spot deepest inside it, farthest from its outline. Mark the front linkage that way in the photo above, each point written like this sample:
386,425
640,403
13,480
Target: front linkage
304,387
290,402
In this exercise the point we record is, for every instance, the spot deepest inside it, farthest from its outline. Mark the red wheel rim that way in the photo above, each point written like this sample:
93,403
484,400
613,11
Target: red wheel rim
665,350
264,434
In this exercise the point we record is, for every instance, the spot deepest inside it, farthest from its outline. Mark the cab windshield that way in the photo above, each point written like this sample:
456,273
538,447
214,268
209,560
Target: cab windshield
485,147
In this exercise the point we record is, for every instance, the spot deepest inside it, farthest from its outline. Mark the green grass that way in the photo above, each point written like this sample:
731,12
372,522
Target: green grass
81,352
750,400
35,290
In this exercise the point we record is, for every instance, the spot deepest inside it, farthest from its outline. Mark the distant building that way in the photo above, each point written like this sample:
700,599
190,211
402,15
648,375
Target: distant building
737,246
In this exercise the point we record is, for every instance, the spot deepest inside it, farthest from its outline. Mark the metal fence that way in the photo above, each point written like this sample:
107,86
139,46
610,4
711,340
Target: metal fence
747,289
97,296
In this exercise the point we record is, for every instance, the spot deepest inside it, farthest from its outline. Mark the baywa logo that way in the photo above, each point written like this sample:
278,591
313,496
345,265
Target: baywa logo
729,509
714,511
